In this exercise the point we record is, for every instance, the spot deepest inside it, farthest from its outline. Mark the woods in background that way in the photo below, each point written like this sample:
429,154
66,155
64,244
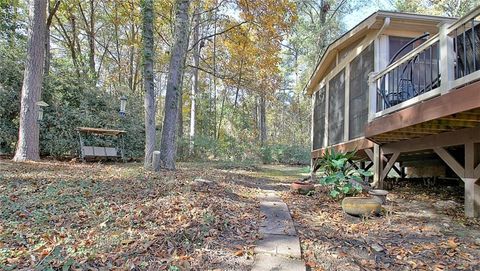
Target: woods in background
205,79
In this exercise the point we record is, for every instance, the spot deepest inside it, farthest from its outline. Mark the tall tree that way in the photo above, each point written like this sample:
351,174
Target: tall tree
28,133
168,146
195,83
148,82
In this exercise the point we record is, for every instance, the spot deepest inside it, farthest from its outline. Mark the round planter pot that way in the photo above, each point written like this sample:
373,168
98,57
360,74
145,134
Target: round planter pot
379,195
302,188
360,206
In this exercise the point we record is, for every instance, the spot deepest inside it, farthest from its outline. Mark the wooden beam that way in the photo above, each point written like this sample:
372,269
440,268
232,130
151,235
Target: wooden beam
369,153
456,101
450,161
397,170
470,159
389,165
355,144
453,138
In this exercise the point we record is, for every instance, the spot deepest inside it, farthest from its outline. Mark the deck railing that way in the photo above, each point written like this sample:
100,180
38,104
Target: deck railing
442,63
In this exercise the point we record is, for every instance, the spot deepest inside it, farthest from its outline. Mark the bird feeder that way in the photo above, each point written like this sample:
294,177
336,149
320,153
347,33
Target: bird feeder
41,105
123,105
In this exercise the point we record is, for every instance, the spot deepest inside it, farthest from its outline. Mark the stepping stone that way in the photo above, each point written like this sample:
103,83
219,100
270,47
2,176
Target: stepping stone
269,197
283,245
277,219
265,262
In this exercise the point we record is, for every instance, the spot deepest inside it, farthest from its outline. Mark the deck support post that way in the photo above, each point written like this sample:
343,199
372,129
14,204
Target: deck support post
472,197
470,175
471,179
377,167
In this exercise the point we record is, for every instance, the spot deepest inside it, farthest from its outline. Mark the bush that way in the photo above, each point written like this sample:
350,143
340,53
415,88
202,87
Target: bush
285,154
11,70
339,174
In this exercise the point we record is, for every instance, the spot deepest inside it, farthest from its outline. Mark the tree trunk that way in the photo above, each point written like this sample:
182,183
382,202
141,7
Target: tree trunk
263,120
168,146
28,132
48,54
180,122
196,63
148,82
91,41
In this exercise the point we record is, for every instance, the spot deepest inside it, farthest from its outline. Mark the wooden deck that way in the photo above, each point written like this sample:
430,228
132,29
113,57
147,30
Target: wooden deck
458,109
359,145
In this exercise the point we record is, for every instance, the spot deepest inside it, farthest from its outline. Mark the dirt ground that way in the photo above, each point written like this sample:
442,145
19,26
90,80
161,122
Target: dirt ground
423,228
56,216
73,216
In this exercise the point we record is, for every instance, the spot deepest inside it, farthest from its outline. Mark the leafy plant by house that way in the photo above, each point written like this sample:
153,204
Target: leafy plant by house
342,178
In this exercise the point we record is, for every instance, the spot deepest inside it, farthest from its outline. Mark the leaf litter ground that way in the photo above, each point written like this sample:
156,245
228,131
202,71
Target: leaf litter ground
117,217
68,216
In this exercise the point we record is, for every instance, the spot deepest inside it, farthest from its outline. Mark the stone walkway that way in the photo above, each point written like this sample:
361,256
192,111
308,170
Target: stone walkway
279,246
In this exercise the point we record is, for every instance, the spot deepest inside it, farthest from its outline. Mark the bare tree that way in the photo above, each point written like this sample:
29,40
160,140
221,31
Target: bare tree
148,82
168,146
28,132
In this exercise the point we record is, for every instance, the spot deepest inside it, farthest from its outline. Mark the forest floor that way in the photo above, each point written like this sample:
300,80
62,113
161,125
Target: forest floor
115,216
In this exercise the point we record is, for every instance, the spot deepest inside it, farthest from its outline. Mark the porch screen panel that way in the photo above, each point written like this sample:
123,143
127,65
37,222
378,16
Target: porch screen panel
319,119
336,108
360,67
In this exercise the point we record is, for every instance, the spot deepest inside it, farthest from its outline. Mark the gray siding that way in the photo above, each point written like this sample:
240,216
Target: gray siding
360,68
336,109
319,119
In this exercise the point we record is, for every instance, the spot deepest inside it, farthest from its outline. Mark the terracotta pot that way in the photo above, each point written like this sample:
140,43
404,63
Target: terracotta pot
360,206
379,195
302,188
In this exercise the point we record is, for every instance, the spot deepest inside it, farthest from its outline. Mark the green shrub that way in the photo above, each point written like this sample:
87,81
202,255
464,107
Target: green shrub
339,174
285,154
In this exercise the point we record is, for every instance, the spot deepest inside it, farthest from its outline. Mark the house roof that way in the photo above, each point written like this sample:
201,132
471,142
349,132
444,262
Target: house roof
398,21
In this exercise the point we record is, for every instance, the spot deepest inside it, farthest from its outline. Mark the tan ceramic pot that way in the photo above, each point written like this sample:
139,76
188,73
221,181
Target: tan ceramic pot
361,206
302,188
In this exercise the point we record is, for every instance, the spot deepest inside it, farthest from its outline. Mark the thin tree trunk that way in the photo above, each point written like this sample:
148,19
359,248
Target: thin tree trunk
215,75
148,82
222,106
263,120
48,54
91,41
28,132
168,146
180,122
131,60
196,63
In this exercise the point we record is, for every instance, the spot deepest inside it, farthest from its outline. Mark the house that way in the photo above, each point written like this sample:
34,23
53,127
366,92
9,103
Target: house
403,89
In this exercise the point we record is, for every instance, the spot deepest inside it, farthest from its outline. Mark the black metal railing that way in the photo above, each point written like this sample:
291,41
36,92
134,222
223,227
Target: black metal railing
444,62
467,48
414,76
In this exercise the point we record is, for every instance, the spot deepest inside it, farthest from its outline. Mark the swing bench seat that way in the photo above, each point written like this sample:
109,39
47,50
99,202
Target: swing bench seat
87,151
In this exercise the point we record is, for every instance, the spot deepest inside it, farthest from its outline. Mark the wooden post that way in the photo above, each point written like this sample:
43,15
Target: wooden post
372,96
447,61
470,175
327,99
377,167
472,185
156,161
